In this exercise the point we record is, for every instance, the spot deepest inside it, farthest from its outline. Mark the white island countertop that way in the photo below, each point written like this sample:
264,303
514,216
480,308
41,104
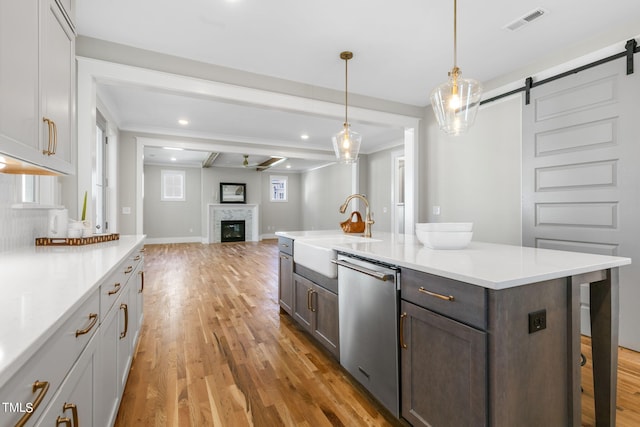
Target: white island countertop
490,265
42,286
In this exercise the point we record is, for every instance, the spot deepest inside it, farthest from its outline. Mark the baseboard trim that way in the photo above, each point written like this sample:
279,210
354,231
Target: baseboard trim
165,240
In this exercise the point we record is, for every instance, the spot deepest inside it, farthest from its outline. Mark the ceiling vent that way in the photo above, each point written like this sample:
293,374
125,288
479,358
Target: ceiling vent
526,19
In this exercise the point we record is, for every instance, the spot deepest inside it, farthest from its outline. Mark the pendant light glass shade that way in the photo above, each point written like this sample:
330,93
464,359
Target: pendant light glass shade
455,103
346,143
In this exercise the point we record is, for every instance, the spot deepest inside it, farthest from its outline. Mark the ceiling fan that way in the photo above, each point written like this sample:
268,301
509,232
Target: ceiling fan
270,162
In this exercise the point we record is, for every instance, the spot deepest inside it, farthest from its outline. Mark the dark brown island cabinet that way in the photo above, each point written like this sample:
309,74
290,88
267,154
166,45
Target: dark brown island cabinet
502,354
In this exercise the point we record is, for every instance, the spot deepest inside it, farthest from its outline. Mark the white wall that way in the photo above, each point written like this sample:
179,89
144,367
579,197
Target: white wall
476,177
18,227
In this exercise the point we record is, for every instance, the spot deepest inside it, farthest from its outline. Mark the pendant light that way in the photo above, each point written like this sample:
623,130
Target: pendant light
346,143
455,103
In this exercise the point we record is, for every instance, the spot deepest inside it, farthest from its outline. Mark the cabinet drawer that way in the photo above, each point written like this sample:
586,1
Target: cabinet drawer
286,245
33,386
468,303
111,288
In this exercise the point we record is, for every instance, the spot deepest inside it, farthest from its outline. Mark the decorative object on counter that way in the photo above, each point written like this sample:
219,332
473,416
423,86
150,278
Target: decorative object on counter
86,225
75,229
233,193
346,143
367,220
351,226
58,222
76,241
455,102
84,208
445,235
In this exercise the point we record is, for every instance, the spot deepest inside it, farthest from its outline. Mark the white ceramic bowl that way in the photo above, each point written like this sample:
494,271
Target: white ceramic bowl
444,239
445,226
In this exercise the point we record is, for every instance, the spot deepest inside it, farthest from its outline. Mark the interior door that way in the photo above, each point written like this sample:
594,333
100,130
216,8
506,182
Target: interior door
580,175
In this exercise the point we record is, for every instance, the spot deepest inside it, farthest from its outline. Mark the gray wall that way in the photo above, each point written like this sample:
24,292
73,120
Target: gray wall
476,177
176,220
281,216
127,182
211,179
324,190
379,183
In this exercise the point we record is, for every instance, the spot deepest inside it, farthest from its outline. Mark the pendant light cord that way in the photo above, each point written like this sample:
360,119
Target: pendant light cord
455,34
346,92
346,55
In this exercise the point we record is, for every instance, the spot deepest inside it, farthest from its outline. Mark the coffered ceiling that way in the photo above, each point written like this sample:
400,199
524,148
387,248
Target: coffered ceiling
402,49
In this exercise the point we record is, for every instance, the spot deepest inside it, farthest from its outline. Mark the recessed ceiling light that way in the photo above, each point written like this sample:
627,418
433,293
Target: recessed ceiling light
173,159
304,136
288,166
183,122
173,148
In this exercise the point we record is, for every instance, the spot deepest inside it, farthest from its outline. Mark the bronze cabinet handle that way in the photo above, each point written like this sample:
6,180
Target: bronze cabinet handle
43,386
141,273
93,319
49,122
313,309
309,299
63,420
449,298
403,316
402,343
124,307
137,258
128,270
74,413
55,137
115,290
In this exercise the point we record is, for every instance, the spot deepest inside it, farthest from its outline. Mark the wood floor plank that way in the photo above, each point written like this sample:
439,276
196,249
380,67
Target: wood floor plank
216,351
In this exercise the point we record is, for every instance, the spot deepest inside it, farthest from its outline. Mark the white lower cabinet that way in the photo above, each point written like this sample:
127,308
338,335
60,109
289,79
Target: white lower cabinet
78,376
117,333
73,404
27,394
139,298
107,393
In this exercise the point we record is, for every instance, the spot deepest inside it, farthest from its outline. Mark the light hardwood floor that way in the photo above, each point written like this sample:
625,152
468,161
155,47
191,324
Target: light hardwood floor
215,351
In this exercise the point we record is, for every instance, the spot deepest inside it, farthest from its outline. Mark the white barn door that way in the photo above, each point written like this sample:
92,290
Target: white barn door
581,175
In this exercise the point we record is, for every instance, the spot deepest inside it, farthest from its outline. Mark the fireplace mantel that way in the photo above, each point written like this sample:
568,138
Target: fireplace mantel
233,211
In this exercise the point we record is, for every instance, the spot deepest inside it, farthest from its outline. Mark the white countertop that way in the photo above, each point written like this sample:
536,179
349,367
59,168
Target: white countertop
489,265
41,286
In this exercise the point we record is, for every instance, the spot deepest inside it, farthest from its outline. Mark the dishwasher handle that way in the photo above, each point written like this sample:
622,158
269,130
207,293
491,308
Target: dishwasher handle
377,274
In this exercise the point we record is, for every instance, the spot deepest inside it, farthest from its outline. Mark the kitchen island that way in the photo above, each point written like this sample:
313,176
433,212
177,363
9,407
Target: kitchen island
526,338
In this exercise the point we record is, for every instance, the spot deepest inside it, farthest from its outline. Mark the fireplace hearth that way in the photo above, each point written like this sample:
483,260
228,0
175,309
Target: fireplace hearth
232,231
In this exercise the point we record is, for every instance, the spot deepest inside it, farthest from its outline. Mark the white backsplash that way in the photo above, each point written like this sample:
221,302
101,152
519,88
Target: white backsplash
18,227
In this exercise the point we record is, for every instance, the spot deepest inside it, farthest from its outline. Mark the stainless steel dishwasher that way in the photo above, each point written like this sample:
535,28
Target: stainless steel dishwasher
368,307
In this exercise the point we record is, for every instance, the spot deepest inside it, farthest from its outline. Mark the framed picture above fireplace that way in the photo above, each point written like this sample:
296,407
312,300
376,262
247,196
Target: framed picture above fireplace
233,192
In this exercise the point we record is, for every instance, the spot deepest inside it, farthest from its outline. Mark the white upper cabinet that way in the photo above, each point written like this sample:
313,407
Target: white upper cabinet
57,79
37,84
19,95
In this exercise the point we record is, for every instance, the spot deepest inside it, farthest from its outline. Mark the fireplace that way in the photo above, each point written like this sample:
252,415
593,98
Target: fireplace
232,231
